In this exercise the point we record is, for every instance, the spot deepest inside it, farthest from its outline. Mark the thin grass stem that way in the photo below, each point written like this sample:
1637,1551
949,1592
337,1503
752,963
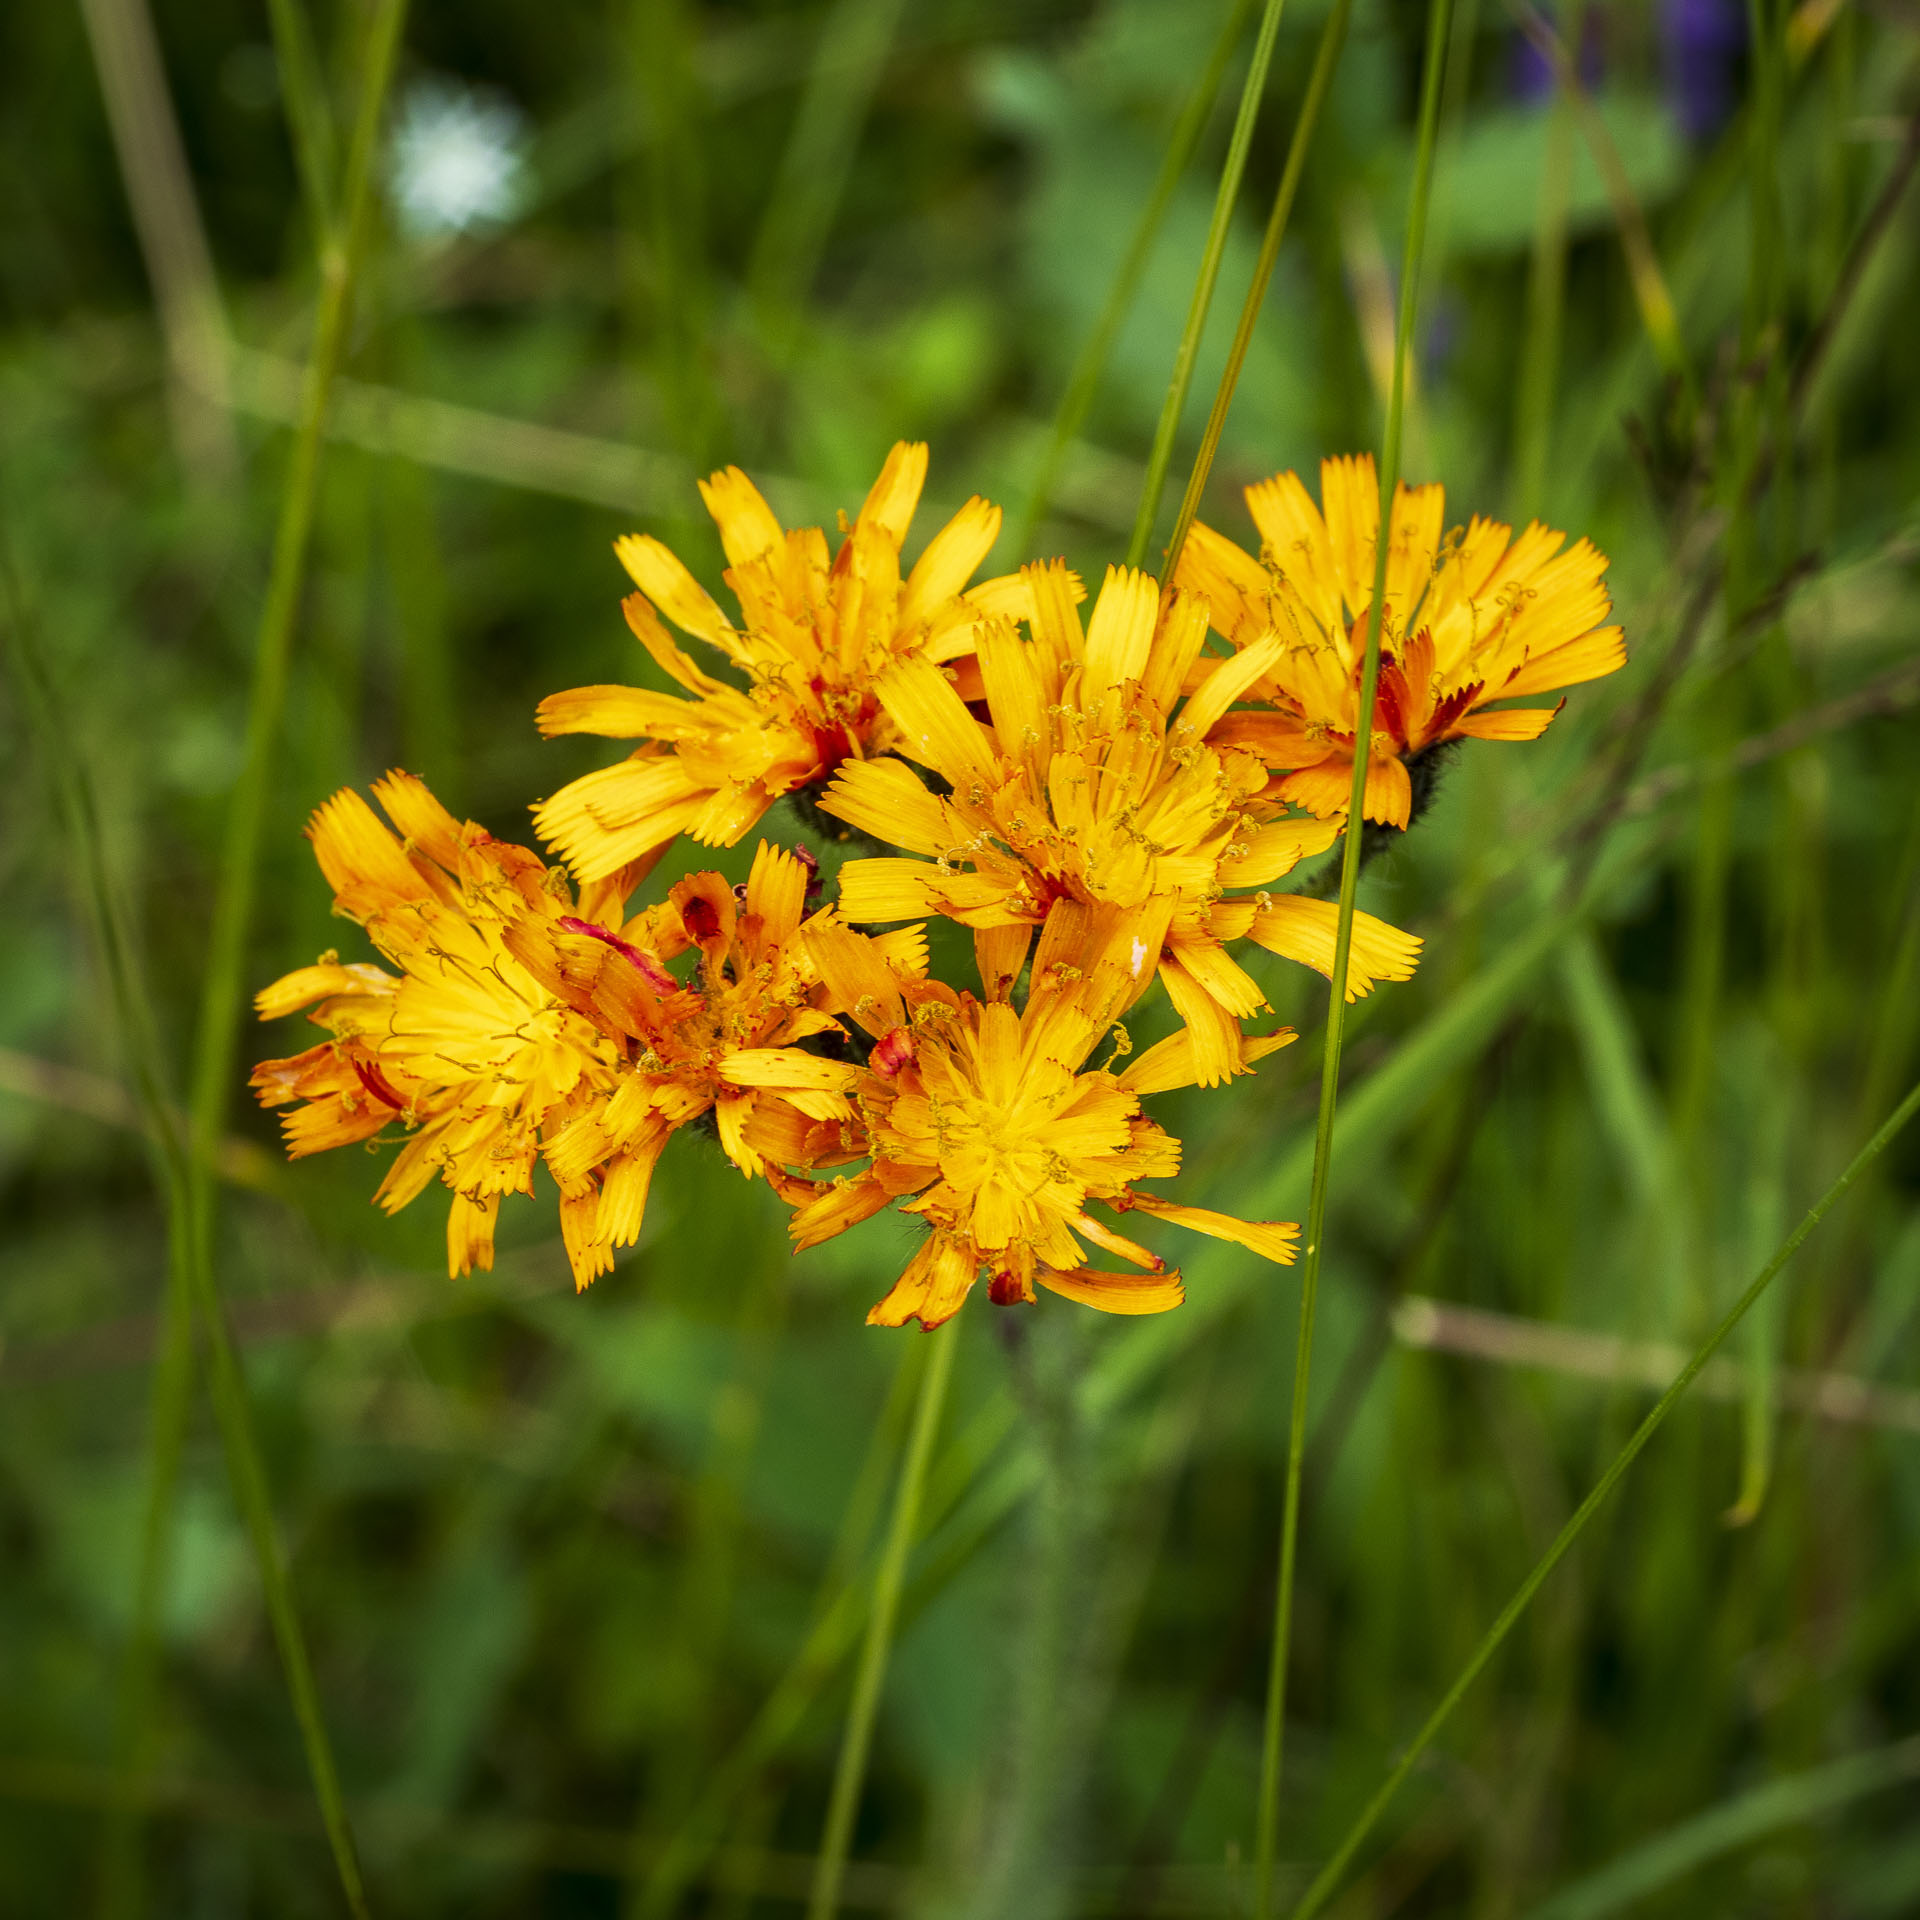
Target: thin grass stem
1216,248
216,1035
954,1483
309,113
132,1004
1546,305
1273,1742
172,236
856,1741
814,170
1650,291
247,1469
670,1868
669,267
1328,1878
1084,382
1333,38
1325,58
169,1408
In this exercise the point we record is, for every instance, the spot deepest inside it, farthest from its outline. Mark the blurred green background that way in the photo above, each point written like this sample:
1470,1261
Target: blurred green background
564,1561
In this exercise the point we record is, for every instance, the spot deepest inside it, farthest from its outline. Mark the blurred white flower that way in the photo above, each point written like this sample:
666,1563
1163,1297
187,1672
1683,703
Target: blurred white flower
459,158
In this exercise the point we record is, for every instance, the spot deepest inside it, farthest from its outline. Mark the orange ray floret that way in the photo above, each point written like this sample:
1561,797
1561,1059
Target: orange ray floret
1475,617
813,635
986,1123
1093,782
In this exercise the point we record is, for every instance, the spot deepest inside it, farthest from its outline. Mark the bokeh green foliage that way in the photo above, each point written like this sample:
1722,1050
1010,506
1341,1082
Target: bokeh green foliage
554,1554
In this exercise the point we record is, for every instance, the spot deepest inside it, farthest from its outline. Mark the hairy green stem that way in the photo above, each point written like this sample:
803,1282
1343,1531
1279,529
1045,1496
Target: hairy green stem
1333,37
1328,1878
1273,1741
856,1740
1025,1866
841,1617
1189,349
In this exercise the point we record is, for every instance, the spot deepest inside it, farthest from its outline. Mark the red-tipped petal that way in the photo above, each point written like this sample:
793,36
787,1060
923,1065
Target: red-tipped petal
650,969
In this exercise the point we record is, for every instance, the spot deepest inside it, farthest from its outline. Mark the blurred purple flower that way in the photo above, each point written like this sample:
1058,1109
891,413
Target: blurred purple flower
1529,77
1530,74
1704,39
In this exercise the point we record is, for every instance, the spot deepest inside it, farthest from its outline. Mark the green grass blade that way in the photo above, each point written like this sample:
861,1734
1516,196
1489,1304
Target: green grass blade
1084,382
668,260
1328,1878
708,1572
309,114
216,1036
139,1033
430,678
1216,248
1624,1097
1629,1113
1333,37
817,163
1273,1741
957,1491
669,1869
1386,1101
850,1772
233,1413
1658,315
1736,1822
172,236
1546,302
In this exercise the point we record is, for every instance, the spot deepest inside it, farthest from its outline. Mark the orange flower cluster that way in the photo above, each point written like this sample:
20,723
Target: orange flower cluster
1103,804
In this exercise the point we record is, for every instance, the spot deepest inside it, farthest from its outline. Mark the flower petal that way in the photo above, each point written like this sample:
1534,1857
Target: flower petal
936,728
470,1234
1510,723
1116,1292
933,1287
1304,930
891,501
1276,1240
662,576
748,529
953,553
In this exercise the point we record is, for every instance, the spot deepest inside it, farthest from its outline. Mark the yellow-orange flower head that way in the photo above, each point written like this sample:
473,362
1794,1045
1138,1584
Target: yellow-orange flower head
981,1120
464,1047
1477,617
814,635
1095,783
522,1026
